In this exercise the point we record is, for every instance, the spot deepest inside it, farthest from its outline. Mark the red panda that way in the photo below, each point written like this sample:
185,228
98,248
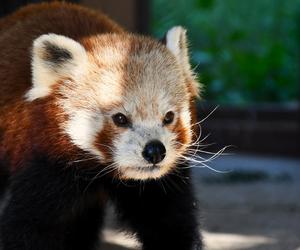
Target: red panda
89,113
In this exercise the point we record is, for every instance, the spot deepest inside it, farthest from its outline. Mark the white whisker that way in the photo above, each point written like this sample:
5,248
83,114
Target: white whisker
106,170
206,117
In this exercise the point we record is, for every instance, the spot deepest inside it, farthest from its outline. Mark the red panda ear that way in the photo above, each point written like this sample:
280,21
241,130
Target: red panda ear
176,41
54,57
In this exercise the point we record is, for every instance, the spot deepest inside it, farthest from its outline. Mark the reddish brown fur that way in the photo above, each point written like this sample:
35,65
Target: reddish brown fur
194,126
181,132
24,125
105,139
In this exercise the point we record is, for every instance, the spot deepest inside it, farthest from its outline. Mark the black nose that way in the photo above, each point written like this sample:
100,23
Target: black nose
154,152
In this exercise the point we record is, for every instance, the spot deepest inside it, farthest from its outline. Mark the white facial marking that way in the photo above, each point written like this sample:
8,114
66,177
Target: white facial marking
129,147
110,90
82,128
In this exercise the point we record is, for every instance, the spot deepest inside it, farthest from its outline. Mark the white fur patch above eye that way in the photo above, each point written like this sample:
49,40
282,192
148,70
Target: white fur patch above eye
82,128
54,57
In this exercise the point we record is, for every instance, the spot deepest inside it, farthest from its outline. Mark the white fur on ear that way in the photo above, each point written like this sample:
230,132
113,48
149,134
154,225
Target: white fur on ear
176,42
54,57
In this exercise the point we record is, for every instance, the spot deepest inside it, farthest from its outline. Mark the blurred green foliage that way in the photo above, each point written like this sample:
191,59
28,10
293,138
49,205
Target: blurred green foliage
244,51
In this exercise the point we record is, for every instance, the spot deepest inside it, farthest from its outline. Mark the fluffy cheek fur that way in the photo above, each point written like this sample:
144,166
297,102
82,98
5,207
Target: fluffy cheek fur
183,131
82,128
104,141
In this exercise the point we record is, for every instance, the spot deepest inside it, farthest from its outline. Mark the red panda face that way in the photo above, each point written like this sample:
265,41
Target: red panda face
126,99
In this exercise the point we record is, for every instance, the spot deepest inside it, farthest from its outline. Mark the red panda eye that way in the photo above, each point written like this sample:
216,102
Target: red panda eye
120,120
169,118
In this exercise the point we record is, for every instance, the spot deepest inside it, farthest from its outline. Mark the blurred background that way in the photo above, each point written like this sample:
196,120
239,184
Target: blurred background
247,56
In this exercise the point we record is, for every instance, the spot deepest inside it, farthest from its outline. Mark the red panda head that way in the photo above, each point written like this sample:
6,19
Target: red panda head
126,99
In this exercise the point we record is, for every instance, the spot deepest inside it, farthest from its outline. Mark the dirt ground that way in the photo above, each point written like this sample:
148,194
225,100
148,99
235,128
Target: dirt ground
255,206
